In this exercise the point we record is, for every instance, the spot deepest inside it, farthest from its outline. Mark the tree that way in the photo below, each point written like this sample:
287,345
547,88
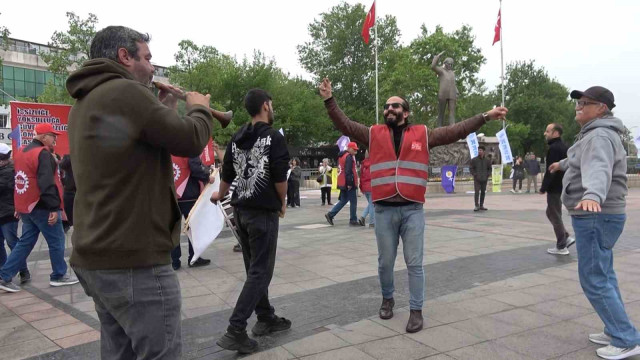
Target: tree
536,100
4,36
72,51
408,70
336,50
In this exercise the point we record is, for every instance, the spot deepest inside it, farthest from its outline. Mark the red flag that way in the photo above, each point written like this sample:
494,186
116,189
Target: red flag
498,27
369,21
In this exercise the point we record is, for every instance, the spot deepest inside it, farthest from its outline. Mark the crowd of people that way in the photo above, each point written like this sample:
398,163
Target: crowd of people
127,221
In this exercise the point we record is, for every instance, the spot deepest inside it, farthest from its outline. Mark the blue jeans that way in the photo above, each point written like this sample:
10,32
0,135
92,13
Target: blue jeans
9,232
346,196
596,234
406,222
32,225
369,209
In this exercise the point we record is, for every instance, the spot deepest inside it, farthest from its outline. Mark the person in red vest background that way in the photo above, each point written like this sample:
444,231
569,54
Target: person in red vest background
399,172
38,200
348,185
189,176
365,187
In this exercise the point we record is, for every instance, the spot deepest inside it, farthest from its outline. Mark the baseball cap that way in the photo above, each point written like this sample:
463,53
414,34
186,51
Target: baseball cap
597,93
4,149
46,128
353,145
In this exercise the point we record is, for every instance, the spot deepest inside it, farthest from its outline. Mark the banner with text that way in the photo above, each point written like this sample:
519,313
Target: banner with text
472,142
496,177
505,149
25,116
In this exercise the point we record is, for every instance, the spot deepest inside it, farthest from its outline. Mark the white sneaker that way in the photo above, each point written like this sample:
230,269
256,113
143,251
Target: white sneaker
64,281
570,241
600,338
614,353
513,191
556,251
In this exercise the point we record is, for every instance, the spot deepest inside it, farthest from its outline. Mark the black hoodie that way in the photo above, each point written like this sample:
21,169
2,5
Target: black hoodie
257,157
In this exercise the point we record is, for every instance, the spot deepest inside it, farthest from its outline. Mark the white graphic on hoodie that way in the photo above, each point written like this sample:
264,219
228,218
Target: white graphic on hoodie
252,167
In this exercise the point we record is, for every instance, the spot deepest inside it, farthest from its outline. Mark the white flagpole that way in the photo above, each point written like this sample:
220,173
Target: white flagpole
375,23
502,60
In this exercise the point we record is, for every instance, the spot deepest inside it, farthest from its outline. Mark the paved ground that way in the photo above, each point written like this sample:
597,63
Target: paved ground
492,292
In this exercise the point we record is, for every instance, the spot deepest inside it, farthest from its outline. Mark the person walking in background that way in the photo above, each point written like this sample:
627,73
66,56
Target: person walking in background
69,194
532,166
326,181
518,174
365,187
8,216
293,186
480,170
348,185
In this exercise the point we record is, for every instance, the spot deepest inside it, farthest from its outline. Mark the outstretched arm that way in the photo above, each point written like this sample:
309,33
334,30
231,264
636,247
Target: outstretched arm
452,133
434,63
348,127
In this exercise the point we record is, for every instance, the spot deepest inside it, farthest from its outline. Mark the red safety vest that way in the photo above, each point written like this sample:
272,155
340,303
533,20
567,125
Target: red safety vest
342,174
26,191
405,175
181,173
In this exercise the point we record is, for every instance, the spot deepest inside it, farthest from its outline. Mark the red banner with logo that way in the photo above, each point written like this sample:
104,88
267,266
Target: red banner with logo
26,116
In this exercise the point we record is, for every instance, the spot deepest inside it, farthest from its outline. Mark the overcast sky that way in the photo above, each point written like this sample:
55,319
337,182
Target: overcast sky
580,43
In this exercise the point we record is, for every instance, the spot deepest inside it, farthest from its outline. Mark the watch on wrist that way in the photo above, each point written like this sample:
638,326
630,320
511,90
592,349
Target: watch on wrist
485,116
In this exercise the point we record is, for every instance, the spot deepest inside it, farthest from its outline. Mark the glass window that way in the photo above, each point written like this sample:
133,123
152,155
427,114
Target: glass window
40,77
20,89
18,74
7,72
39,89
48,77
30,90
7,86
29,75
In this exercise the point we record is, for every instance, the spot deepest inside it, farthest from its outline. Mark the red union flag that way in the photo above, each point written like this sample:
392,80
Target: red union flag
496,36
369,21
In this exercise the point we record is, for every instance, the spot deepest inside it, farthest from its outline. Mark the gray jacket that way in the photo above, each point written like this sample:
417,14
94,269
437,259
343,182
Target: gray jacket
596,167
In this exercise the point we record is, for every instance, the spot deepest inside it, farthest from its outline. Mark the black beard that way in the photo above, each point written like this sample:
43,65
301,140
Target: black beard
394,122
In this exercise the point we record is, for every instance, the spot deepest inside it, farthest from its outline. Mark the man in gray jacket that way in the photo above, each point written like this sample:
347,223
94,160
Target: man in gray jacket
594,190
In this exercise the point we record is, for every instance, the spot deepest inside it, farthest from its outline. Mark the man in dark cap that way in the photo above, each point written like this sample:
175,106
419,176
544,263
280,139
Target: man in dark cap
594,191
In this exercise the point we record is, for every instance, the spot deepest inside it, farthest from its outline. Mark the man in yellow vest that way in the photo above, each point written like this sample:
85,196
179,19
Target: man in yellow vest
399,172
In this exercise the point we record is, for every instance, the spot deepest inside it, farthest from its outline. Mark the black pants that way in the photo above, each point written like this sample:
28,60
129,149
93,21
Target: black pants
258,232
515,181
326,194
480,188
293,193
176,253
67,199
554,214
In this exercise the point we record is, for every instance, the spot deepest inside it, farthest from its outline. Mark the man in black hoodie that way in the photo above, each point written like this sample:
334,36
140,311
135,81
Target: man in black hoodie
257,159
552,186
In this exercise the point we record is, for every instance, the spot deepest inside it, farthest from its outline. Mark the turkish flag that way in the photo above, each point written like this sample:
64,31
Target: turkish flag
369,21
498,27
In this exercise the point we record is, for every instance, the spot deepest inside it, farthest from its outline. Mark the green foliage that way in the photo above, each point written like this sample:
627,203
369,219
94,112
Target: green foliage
73,45
4,36
336,50
297,108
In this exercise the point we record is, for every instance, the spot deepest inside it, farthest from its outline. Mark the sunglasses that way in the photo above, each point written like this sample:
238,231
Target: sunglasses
393,105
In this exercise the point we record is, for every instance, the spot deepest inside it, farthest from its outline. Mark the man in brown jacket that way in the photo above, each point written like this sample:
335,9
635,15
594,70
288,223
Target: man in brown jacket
398,183
127,219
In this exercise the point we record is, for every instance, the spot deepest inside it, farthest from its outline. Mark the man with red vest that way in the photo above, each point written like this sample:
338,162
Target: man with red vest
348,185
38,200
399,172
189,175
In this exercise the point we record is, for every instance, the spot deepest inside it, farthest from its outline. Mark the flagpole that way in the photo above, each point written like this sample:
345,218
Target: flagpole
502,61
375,22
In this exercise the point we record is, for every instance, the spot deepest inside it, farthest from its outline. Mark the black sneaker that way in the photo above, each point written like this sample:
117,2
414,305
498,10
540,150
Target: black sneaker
239,341
482,208
354,223
237,248
262,328
25,277
200,262
175,266
361,221
329,219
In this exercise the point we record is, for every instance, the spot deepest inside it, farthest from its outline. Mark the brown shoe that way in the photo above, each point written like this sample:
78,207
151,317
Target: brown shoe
415,321
386,309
